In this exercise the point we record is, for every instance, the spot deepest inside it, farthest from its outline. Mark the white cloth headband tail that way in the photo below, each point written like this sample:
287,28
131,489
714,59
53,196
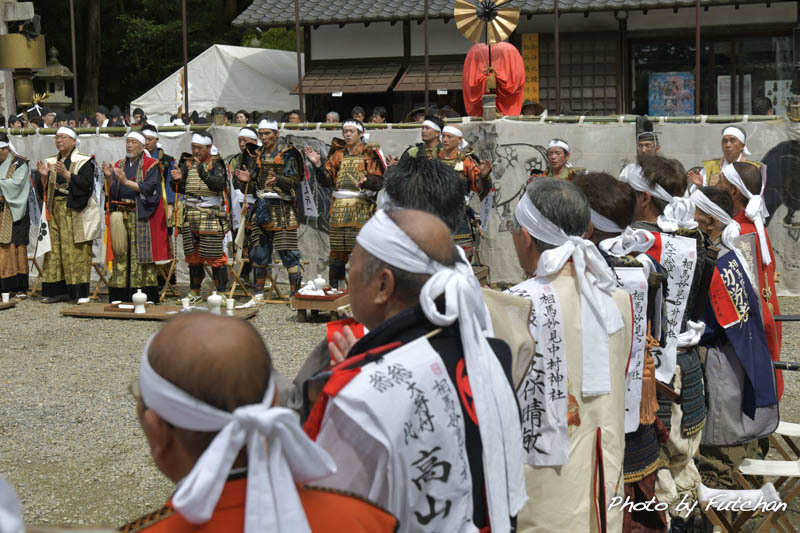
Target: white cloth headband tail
600,316
756,210
272,501
501,435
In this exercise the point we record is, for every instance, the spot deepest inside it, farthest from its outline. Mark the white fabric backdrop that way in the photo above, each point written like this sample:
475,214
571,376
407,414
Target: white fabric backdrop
515,148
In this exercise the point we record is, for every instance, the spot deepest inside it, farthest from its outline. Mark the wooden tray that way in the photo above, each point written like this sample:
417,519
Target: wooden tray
7,305
154,312
327,297
319,303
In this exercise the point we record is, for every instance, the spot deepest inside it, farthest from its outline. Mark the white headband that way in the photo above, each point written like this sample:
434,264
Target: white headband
739,134
458,133
499,427
731,231
67,131
679,212
707,206
556,143
147,132
600,316
137,136
432,125
453,131
605,224
10,146
265,124
200,138
755,210
250,134
272,502
353,124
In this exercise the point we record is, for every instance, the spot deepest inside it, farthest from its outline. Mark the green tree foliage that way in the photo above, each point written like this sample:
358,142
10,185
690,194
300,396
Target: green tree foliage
274,38
141,41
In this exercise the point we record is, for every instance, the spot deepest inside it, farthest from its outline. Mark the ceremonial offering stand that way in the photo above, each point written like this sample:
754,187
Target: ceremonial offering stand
330,302
7,305
152,312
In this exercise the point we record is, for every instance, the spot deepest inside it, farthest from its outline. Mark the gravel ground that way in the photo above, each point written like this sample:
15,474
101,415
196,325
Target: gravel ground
69,440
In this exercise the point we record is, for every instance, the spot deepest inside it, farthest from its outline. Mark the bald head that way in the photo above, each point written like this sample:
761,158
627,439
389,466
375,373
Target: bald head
429,232
218,360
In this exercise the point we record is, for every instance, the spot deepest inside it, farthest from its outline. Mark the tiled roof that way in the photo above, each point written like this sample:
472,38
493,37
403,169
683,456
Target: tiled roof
440,76
269,13
350,79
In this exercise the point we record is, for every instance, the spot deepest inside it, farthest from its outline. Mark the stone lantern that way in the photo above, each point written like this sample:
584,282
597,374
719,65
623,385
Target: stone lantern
55,75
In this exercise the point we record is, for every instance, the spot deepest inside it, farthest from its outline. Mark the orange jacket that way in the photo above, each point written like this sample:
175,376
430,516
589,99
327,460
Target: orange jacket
326,510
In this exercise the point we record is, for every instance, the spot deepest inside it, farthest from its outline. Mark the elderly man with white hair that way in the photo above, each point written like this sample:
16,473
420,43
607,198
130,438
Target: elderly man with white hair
68,181
138,228
201,178
421,416
573,396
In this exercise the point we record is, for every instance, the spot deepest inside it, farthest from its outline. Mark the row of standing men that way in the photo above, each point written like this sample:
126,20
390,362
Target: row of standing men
257,189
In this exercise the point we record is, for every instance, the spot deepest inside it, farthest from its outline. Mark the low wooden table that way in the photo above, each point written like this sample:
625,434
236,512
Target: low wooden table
154,312
7,305
328,303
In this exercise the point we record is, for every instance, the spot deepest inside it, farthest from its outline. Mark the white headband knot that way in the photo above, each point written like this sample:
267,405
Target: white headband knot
739,134
135,135
628,242
432,125
353,124
289,456
596,282
200,138
265,124
756,210
679,212
558,143
499,428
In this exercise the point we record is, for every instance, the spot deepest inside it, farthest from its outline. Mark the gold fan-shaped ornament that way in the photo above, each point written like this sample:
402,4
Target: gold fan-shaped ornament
499,21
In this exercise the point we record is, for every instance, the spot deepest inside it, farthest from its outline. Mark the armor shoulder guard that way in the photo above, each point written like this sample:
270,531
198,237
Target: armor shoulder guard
336,145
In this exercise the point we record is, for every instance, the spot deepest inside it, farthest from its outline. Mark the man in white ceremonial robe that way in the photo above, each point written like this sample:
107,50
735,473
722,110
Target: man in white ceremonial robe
573,398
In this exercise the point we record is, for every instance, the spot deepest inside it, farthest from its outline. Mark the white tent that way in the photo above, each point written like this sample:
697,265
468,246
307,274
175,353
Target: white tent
234,77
